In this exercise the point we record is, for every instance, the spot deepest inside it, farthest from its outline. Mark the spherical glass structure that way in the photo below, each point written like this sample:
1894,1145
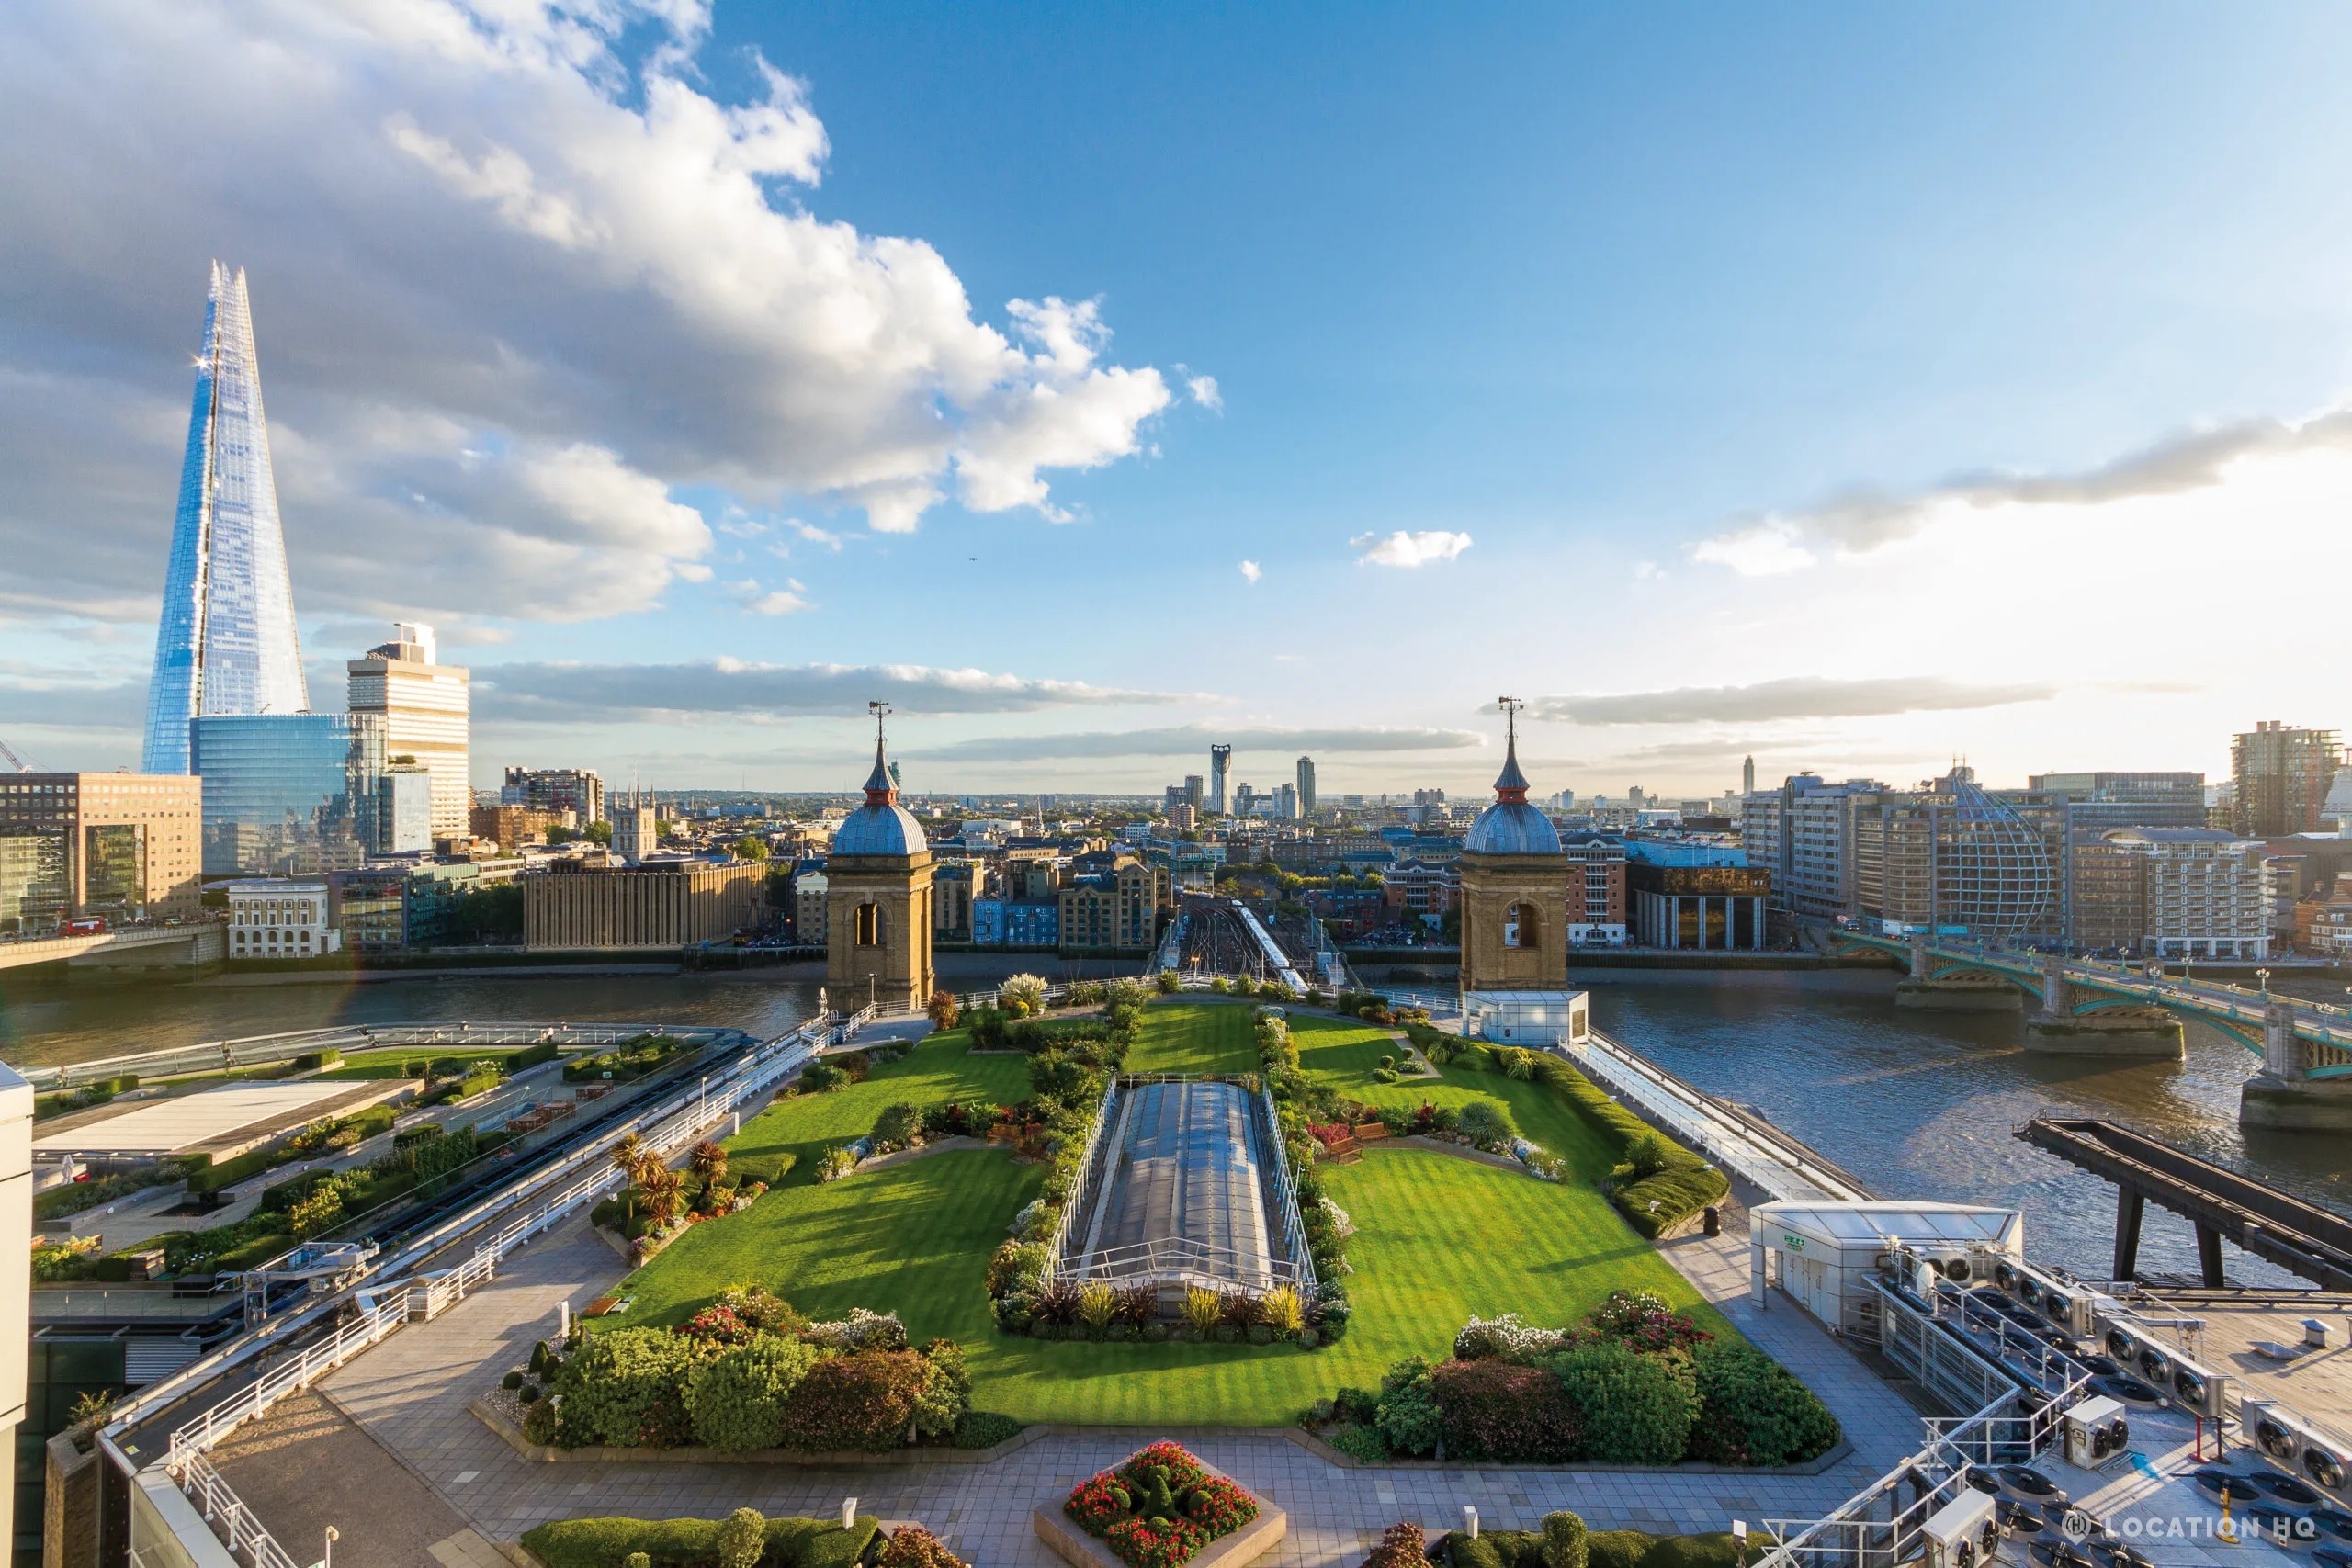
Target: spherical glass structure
1994,872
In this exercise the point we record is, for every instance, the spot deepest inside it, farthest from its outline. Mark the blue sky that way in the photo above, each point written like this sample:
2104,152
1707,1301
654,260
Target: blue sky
1639,302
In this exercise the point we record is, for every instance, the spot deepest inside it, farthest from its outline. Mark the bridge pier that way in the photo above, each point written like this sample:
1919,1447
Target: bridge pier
1966,992
2146,1033
2283,1097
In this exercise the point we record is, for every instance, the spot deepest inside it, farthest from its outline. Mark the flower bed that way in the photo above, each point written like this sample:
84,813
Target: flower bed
1159,1508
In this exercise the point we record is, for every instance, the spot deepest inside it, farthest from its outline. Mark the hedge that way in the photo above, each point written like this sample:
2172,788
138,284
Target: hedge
691,1544
545,1051
1603,1549
329,1058
212,1175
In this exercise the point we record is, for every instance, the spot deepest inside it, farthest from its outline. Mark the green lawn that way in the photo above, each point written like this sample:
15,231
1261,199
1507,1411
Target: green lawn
938,1069
916,1237
1197,1039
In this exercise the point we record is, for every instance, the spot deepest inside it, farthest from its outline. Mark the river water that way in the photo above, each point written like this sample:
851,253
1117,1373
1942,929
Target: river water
1916,1104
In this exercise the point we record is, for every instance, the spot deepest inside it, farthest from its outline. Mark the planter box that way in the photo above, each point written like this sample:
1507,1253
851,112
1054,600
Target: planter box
490,1416
1079,1549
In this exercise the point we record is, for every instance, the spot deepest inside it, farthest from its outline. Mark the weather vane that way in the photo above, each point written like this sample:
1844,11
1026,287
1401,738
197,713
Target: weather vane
1511,706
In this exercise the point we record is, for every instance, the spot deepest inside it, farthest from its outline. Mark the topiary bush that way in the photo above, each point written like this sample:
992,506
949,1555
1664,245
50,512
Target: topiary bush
911,1546
1564,1539
737,1398
1635,1409
740,1540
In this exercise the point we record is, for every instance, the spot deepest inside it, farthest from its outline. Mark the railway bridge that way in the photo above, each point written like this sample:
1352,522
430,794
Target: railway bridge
2098,1007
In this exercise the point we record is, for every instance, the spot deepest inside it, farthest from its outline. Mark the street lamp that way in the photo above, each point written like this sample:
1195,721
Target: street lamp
2264,976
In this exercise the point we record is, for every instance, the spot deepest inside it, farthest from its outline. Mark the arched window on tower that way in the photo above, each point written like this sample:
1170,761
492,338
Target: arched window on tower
1523,926
869,925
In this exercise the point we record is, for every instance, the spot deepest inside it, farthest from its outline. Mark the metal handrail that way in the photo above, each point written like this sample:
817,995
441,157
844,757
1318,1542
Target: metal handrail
284,1046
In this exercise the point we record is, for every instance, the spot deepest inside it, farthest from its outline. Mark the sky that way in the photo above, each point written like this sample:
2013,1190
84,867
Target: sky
1857,389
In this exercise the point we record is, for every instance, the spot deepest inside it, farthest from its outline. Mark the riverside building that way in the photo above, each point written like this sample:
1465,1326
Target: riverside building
288,795
121,846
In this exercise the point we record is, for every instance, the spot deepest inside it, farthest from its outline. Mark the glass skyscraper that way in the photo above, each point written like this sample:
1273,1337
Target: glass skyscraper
289,795
227,643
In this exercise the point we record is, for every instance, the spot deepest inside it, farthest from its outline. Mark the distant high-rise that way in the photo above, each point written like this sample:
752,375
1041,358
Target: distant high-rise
427,716
1306,786
2282,777
1218,757
1747,777
227,642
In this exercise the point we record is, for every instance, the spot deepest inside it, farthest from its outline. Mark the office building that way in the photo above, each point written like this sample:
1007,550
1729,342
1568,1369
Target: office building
2281,779
425,706
2209,894
1803,834
1597,898
1286,805
405,810
226,643
2109,895
399,908
1219,756
1305,786
2102,801
1955,858
280,917
288,795
1747,777
1017,922
660,908
121,846
512,826
579,791
808,892
1695,895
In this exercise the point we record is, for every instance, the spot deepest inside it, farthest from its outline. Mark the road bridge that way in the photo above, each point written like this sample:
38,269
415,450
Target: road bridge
2303,1081
131,947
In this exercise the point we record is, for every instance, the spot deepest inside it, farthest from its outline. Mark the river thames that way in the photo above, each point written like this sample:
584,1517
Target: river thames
1916,1104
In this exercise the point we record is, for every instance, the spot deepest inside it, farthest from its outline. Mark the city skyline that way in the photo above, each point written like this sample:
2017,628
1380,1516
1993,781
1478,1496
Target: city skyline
1773,460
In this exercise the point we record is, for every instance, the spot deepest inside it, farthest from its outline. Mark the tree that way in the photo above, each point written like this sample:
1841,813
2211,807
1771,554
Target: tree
626,1155
943,1009
750,846
558,835
482,912
663,1187
710,1163
598,832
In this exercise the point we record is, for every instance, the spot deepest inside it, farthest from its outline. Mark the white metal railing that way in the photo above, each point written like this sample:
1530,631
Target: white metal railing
355,1037
1075,1198
381,1315
1286,1194
1185,1260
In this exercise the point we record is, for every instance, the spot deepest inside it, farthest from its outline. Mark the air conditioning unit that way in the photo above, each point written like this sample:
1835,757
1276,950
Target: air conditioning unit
2187,1383
2067,1310
1964,1533
2097,1433
2294,1442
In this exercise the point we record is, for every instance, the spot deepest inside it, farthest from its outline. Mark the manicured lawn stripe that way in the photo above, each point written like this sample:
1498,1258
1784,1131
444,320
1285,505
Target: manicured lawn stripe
1197,1040
938,1069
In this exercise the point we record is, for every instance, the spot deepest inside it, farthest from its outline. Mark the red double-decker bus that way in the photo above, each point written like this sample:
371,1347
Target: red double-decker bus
82,925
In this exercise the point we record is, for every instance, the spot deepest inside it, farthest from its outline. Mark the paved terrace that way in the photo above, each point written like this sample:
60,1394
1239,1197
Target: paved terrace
398,1416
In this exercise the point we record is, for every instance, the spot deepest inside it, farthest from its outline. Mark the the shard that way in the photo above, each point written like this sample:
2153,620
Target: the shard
227,643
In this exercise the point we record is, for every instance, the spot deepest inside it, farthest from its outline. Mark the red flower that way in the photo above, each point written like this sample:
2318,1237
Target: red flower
1141,1543
1098,1503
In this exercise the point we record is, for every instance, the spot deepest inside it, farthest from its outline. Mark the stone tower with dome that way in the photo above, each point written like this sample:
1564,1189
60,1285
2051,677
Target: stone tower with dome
1514,916
877,898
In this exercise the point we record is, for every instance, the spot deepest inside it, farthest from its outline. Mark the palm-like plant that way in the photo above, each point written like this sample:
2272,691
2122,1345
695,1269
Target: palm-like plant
1097,1304
662,1188
710,1163
1280,1309
625,1155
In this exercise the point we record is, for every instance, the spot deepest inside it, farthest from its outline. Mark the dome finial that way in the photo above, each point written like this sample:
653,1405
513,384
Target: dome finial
1510,787
881,789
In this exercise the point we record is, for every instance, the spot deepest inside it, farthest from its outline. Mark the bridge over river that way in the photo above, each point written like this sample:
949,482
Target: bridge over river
2099,1007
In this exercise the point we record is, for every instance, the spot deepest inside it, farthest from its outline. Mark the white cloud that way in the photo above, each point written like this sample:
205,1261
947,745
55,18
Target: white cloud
1802,696
761,601
1205,392
1250,570
1403,549
504,256
1191,740
813,534
1762,550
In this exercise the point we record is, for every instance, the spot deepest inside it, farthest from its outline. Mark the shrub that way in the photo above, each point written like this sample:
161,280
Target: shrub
741,1539
1645,1154
984,1429
1506,1337
627,1389
1018,1265
1635,1409
819,1076
638,1560
1401,1546
897,1126
1484,1122
943,1009
1752,1410
863,1402
1097,1304
1168,982
671,1543
1279,1309
861,1330
1641,1321
737,1398
1202,1308
946,1390
835,1163
1408,1414
511,1381
1500,1411
911,1546
1022,995
1564,1540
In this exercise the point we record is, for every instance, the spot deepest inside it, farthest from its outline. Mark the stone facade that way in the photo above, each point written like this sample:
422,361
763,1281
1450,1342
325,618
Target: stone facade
878,929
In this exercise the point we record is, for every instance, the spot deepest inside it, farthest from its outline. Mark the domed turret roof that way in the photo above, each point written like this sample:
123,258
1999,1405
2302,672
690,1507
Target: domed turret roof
881,826
1510,826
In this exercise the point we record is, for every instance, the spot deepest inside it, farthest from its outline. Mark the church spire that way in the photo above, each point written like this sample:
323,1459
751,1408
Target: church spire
881,789
1510,786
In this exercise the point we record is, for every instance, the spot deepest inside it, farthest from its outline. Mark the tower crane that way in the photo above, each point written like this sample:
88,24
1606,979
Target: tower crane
15,764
